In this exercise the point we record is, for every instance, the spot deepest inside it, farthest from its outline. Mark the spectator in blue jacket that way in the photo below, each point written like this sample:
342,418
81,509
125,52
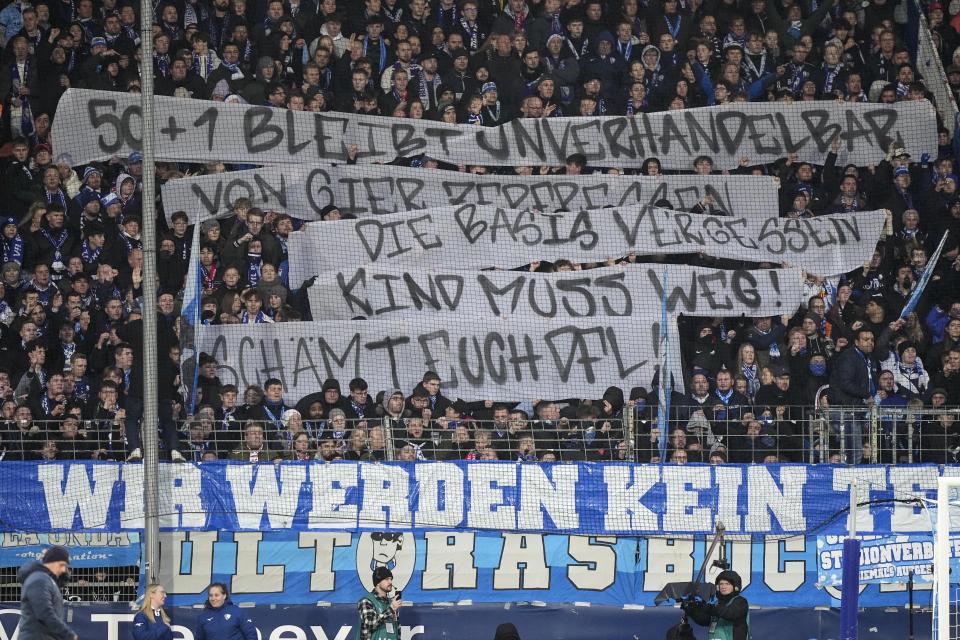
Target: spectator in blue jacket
223,620
152,622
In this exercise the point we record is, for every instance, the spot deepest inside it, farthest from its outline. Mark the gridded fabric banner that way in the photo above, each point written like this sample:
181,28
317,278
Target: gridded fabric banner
374,190
478,357
100,549
883,559
609,292
286,567
95,125
583,498
480,237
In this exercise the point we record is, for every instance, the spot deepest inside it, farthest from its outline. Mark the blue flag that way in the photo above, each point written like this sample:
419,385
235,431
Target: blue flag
924,279
190,313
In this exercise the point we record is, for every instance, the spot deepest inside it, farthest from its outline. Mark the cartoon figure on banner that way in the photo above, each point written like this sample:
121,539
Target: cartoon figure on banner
386,549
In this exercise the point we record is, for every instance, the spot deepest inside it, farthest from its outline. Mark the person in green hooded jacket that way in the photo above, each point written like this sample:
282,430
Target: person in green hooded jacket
728,615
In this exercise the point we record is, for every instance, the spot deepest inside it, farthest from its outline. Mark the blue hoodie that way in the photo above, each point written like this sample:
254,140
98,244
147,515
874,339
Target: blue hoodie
229,622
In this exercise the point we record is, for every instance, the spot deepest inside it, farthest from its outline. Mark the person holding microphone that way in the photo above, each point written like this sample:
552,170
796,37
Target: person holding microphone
152,622
378,612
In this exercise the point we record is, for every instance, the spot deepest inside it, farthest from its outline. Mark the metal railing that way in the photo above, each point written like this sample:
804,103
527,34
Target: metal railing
737,434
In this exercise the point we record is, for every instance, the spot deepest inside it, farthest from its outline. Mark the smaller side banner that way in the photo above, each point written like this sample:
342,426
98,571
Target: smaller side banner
883,559
99,549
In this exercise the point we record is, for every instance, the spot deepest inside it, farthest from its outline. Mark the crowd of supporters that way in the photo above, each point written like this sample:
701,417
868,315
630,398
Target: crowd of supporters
71,374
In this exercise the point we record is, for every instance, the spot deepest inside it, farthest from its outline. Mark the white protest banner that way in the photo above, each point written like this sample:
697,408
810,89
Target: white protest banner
96,125
478,359
609,292
489,237
302,191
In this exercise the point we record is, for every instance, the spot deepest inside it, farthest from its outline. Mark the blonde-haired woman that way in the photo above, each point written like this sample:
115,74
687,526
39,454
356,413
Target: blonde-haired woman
152,622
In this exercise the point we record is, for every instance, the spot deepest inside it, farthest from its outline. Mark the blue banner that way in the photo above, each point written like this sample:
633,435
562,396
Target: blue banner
86,549
338,622
884,559
286,567
581,498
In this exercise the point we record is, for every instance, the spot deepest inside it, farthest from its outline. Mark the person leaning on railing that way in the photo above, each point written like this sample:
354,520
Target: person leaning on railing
254,448
940,439
853,382
302,448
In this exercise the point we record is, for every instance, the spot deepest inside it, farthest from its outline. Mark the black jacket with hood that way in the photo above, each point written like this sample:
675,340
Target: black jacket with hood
41,605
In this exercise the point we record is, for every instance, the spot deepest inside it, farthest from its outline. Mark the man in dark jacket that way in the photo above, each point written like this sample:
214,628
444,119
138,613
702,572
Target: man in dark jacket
41,602
729,616
853,382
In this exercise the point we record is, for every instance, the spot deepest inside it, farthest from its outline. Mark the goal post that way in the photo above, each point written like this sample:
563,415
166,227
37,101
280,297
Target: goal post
945,603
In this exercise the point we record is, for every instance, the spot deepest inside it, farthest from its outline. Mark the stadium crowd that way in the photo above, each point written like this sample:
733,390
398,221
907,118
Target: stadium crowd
71,378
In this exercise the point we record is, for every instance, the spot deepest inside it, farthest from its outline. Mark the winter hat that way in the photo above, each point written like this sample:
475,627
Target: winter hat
780,370
638,393
89,171
334,413
289,413
380,574
221,90
903,346
901,171
273,288
331,383
488,86
208,224
56,553
732,577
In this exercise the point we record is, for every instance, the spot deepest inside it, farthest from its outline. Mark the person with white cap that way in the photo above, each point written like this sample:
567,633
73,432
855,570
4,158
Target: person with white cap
41,601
